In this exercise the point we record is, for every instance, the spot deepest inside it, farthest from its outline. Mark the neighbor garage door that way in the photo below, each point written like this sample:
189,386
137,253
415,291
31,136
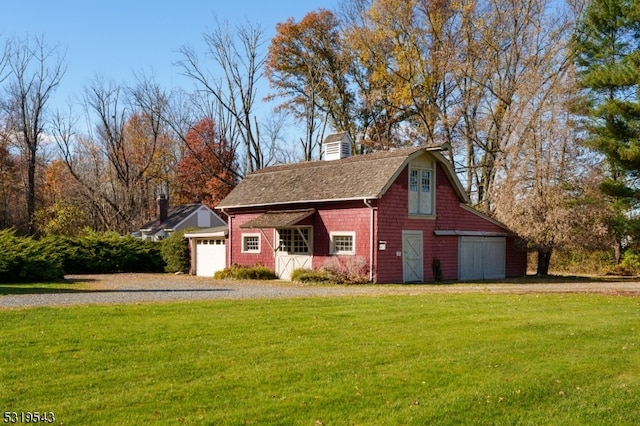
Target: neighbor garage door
481,258
210,256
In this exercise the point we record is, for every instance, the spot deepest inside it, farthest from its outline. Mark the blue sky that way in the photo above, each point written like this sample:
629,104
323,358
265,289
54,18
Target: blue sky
117,38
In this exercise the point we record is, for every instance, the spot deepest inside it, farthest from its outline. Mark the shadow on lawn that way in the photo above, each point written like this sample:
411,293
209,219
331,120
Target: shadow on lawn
9,289
539,279
78,286
551,279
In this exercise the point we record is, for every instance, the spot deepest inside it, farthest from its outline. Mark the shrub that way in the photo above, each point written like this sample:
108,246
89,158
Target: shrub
346,269
24,260
102,253
303,275
237,272
629,264
336,269
576,261
175,253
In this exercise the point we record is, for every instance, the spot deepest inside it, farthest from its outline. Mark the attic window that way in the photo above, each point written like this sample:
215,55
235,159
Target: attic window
420,191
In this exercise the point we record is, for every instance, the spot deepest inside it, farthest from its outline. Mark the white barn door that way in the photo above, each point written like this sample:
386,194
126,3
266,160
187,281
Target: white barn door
412,257
481,258
294,250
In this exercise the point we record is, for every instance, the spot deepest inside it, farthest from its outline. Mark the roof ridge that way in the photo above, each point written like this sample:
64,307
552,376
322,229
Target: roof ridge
372,156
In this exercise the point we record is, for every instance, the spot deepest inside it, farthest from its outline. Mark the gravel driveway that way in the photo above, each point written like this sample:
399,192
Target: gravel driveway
141,288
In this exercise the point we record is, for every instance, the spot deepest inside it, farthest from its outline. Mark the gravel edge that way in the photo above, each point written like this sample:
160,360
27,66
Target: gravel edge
131,288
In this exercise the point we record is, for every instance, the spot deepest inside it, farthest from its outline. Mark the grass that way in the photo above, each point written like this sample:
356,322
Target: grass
395,360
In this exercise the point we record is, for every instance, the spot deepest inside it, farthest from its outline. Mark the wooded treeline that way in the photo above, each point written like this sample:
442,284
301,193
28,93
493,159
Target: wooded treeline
522,91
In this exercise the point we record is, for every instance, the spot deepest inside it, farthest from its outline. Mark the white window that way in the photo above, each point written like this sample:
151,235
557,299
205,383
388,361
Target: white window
251,243
294,240
420,191
343,242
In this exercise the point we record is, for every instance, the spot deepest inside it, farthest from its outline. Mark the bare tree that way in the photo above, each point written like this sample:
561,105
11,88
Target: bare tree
548,191
126,163
35,71
236,54
513,51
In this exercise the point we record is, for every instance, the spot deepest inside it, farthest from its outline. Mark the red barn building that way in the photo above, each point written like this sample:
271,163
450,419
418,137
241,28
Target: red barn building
400,212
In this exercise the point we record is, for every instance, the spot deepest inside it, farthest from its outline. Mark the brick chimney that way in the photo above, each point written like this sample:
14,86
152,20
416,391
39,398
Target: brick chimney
163,207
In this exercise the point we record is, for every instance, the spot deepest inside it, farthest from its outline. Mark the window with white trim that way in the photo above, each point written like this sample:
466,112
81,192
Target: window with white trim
343,242
420,191
250,243
294,240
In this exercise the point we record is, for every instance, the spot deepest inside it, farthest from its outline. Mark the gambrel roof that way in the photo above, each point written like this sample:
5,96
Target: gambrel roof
353,178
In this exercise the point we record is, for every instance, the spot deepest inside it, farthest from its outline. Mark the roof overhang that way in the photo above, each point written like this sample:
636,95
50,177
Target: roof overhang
218,231
441,232
278,219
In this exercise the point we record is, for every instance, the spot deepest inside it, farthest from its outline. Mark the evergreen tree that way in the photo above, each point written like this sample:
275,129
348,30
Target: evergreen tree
608,62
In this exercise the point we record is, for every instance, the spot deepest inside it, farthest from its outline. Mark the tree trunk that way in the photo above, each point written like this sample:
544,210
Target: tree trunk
617,250
544,258
31,189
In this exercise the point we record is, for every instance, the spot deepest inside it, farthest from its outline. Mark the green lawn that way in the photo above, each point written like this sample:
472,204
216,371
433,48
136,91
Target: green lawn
421,360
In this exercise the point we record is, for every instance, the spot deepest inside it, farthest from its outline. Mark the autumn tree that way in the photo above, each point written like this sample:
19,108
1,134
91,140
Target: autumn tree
64,210
308,66
34,72
207,171
404,63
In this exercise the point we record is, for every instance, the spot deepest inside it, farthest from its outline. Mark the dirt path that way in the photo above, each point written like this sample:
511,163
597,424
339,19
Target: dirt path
142,288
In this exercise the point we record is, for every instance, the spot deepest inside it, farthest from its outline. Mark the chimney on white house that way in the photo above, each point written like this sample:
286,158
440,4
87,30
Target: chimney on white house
163,207
337,146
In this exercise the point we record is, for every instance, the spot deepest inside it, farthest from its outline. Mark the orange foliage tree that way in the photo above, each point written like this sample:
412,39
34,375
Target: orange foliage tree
64,210
208,170
308,67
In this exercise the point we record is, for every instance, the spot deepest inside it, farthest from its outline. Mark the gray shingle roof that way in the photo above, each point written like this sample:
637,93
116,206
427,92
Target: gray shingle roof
357,177
175,215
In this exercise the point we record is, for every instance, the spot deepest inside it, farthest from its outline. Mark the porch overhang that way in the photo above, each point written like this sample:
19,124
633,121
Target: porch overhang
278,219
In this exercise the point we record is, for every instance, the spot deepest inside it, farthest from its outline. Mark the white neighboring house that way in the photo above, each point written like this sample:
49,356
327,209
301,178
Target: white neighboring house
170,219
208,250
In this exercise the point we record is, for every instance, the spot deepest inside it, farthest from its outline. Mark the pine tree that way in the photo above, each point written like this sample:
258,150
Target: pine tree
607,54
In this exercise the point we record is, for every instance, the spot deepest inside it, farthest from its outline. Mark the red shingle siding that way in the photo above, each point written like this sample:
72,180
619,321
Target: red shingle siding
445,249
334,217
348,217
516,257
265,257
394,218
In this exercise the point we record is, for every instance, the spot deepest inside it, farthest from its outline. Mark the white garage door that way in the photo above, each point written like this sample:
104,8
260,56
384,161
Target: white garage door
210,256
481,258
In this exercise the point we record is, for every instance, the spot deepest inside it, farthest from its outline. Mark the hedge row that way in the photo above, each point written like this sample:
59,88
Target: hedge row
26,259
